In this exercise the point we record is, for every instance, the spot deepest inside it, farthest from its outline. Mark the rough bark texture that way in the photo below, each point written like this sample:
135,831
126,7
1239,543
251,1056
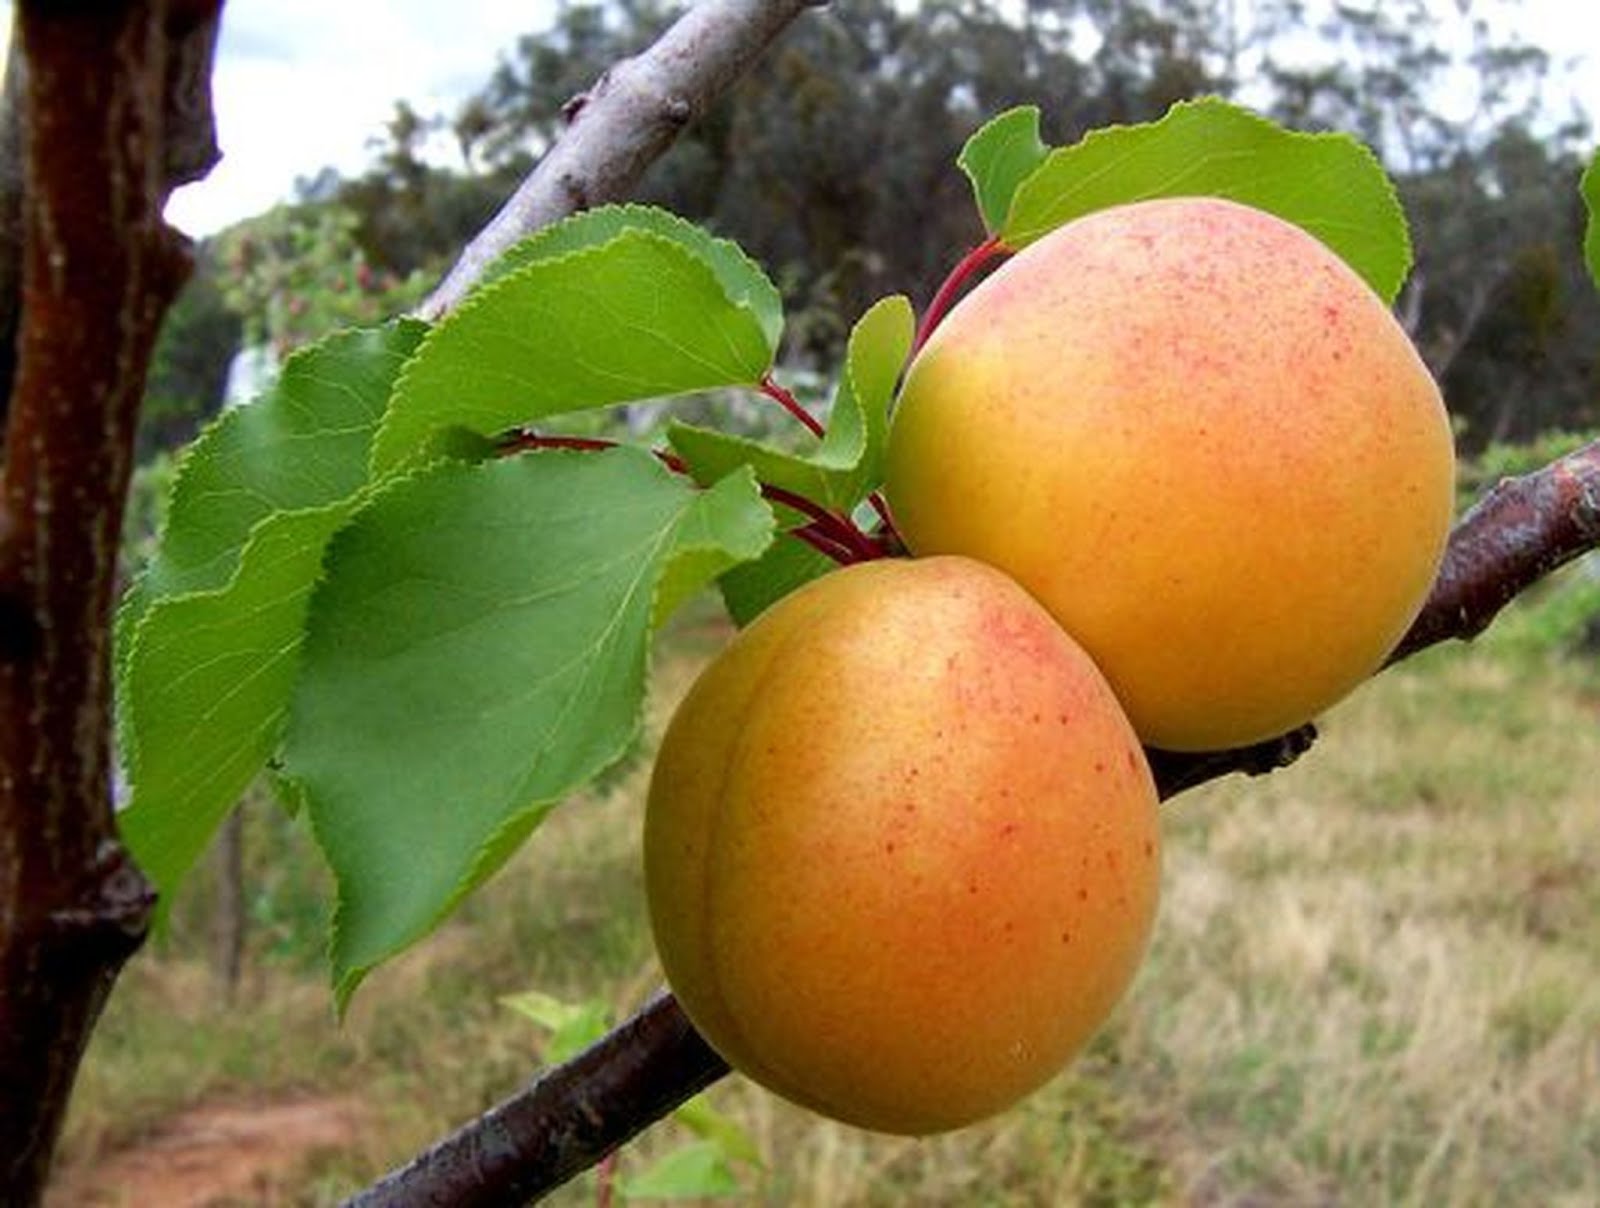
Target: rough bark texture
628,118
98,269
1519,532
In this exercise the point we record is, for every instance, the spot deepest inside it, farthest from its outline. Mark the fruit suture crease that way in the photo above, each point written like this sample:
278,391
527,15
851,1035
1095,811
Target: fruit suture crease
1174,476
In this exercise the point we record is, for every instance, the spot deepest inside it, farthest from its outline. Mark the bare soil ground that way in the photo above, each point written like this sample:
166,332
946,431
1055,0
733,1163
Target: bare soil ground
214,1155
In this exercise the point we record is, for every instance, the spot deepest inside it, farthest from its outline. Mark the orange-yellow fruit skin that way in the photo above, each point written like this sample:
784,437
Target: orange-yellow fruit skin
1203,443
901,847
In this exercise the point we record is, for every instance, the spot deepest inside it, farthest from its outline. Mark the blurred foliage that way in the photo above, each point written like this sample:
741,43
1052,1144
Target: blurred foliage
296,273
1559,618
832,163
1508,460
189,369
146,512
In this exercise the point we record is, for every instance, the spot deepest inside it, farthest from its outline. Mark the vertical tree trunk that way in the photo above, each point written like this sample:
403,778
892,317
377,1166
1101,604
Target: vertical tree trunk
99,268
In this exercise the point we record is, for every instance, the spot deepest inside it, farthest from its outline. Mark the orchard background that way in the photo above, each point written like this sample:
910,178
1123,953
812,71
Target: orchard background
1374,977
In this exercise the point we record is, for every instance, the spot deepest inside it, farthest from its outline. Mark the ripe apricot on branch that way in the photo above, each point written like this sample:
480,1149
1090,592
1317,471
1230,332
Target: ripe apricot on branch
901,846
1203,443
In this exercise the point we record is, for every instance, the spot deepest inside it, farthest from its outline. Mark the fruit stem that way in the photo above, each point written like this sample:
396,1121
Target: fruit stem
789,403
990,249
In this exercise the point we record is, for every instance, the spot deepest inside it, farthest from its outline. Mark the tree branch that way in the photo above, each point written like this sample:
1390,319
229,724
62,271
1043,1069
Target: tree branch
1519,532
98,268
1522,530
628,118
564,1122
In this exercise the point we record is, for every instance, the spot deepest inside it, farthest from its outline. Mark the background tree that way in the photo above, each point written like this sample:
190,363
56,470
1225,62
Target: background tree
831,163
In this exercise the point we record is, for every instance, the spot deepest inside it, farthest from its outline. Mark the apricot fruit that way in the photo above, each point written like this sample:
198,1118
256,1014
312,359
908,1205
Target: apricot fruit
901,846
1198,438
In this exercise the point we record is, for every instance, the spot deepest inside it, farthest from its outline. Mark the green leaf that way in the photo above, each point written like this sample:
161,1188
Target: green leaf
477,651
1590,187
573,1027
1004,152
751,587
742,279
304,444
1327,183
706,1122
204,691
697,1171
208,644
848,462
641,316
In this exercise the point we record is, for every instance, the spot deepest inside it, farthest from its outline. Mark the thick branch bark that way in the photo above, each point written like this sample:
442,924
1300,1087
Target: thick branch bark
1519,532
98,270
628,118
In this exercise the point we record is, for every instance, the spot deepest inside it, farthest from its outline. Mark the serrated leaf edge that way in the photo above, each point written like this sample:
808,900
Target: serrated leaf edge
963,160
381,464
1016,240
627,210
493,853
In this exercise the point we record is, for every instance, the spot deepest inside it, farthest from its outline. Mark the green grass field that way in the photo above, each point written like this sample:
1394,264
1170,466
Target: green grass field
1375,980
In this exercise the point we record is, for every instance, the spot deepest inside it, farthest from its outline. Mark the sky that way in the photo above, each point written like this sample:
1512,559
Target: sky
304,84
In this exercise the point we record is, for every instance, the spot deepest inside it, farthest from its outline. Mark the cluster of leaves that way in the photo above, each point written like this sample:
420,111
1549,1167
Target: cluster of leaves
431,627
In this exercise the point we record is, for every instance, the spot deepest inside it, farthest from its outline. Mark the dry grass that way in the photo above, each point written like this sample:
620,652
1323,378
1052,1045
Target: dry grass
1376,980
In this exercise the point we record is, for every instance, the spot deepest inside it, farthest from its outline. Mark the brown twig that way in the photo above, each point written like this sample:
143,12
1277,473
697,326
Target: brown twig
1519,532
98,269
628,118
564,1122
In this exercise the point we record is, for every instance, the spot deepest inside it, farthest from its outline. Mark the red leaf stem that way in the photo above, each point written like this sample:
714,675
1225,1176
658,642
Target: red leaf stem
792,405
838,528
827,532
990,249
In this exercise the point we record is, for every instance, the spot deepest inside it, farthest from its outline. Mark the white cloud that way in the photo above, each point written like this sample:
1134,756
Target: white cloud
305,84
